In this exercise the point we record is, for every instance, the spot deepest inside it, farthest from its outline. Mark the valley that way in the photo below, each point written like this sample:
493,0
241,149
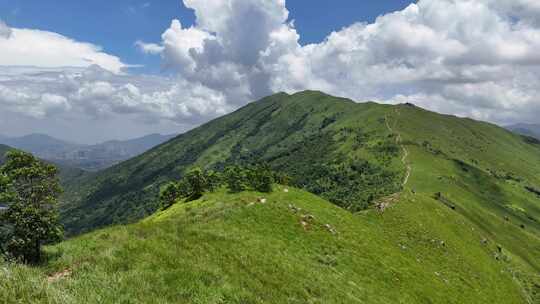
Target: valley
85,157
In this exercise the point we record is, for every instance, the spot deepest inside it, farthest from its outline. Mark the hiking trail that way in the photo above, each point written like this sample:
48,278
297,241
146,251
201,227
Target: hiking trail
400,143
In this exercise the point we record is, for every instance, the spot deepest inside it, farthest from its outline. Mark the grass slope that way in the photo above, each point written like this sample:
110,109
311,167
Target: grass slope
225,248
479,168
482,171
332,147
488,178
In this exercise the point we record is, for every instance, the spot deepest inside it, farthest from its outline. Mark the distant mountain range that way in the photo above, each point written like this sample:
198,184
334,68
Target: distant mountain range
87,157
526,129
66,173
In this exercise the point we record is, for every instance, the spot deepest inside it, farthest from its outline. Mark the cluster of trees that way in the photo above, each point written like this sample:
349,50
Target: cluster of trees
353,184
29,190
196,182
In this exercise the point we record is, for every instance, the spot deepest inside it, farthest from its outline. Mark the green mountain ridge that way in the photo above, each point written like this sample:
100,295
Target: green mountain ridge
353,154
332,147
296,134
406,206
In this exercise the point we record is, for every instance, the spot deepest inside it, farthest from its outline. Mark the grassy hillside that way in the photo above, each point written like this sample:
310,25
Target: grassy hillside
434,209
356,156
482,171
343,151
295,248
332,147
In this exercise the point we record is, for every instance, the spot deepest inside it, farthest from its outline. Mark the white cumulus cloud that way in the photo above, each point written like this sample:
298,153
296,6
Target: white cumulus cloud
476,58
100,94
149,48
29,47
432,49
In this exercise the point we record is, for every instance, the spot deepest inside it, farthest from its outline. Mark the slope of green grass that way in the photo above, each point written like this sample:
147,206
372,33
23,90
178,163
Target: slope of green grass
482,171
464,157
227,248
356,155
332,147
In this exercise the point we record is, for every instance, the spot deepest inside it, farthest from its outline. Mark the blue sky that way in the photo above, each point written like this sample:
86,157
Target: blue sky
116,25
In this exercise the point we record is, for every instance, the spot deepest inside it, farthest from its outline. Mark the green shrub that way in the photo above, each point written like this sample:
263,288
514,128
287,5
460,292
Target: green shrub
196,183
260,178
236,179
282,179
169,194
214,180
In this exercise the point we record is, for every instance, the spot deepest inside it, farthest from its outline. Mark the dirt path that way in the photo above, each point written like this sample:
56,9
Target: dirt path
400,143
59,275
388,201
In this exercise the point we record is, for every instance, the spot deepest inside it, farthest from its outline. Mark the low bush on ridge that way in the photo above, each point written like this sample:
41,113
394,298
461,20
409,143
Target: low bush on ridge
196,182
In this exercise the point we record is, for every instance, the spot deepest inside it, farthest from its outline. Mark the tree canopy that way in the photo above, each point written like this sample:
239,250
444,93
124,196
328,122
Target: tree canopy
29,188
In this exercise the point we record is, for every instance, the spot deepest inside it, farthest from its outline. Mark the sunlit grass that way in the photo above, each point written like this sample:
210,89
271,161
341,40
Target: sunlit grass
228,248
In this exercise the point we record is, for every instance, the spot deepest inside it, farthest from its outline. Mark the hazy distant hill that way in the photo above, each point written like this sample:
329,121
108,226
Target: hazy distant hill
65,172
526,129
3,150
88,157
41,145
104,155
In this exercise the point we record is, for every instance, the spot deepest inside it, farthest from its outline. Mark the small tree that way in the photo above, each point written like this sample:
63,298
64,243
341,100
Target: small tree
282,179
30,189
191,187
169,194
261,178
236,179
198,183
214,180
